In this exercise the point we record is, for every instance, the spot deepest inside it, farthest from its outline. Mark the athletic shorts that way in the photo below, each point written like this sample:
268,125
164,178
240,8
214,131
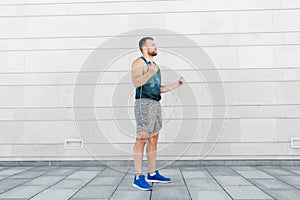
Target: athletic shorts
148,115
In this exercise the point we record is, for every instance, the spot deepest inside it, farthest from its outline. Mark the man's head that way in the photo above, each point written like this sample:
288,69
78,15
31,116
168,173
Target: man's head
147,46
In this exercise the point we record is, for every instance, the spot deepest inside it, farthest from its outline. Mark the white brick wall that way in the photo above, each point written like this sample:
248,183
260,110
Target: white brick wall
254,44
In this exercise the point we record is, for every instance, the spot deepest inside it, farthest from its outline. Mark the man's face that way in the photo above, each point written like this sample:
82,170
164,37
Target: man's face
151,48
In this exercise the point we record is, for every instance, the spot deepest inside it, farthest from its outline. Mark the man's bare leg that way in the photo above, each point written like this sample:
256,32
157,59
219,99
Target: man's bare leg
151,152
138,151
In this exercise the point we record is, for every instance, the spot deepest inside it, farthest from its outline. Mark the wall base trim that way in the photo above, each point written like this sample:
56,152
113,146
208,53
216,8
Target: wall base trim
251,162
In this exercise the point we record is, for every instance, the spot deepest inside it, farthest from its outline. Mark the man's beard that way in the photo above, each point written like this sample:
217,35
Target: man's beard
153,53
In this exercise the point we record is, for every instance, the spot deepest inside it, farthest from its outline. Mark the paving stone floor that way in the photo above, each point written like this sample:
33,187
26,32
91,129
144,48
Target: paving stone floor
100,182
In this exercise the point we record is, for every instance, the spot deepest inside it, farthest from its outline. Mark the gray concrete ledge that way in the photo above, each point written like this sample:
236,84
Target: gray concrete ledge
275,162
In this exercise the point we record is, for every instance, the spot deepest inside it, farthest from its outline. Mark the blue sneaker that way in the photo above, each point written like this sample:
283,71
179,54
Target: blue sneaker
140,183
157,178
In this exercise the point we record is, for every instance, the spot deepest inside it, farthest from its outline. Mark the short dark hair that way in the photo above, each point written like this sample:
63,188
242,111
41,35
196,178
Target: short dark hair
142,42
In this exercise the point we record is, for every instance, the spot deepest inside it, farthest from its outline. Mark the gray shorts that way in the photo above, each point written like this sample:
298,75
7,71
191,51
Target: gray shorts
147,115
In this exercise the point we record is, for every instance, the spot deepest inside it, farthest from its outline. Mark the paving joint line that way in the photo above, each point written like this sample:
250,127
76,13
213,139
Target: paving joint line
14,175
249,179
218,183
280,179
119,184
55,183
185,184
86,183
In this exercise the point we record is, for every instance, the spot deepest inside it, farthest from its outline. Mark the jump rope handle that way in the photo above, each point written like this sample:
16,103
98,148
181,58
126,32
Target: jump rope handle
180,81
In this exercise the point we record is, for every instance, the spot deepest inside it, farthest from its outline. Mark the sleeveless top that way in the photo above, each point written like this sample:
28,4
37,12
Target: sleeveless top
151,89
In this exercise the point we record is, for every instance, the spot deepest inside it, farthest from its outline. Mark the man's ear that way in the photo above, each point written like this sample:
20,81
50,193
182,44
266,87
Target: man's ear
144,48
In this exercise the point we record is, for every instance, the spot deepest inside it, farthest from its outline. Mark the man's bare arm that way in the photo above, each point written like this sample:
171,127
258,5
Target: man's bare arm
137,73
167,88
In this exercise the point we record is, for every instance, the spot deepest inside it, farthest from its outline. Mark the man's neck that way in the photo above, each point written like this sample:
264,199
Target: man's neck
148,57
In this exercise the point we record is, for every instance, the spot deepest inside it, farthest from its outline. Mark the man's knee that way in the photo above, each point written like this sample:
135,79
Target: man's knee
153,138
143,136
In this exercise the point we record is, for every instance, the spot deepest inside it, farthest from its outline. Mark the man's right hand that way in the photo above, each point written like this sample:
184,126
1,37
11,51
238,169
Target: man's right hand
153,68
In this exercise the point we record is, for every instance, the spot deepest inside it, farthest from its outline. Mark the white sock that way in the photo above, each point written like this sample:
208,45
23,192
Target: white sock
153,174
137,177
